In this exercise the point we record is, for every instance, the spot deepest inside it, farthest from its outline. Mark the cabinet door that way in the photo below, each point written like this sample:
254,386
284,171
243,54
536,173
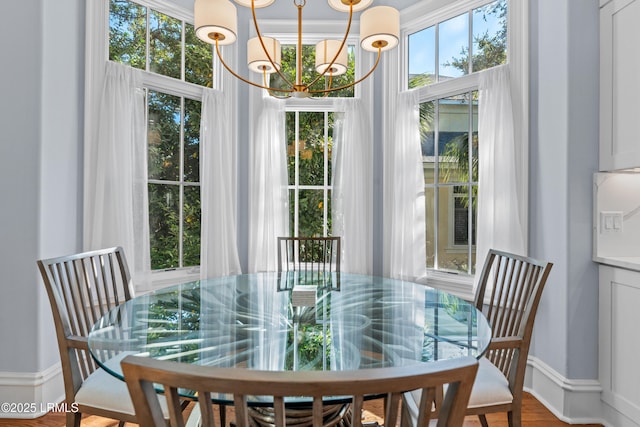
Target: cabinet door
619,85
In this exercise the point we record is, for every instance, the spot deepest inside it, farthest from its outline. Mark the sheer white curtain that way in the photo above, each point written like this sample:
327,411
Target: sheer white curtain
352,195
115,192
268,198
404,192
218,247
500,224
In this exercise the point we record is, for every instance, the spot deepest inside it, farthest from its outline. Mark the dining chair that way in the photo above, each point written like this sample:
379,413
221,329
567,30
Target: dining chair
144,375
321,254
508,293
81,289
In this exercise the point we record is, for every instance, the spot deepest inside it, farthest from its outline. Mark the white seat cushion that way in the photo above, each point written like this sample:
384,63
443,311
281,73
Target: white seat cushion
490,386
104,391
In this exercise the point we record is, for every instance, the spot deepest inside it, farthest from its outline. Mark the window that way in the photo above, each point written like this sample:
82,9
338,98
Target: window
442,61
463,44
167,49
450,166
309,143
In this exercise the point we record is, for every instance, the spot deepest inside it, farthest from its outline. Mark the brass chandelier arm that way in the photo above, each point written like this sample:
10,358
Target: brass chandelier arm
333,89
344,41
236,75
264,48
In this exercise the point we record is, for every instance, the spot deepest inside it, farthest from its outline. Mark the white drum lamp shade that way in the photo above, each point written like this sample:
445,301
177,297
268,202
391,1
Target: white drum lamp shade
216,17
257,58
379,27
326,50
256,3
341,6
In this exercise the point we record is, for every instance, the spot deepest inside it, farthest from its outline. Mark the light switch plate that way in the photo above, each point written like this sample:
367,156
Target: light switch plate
610,222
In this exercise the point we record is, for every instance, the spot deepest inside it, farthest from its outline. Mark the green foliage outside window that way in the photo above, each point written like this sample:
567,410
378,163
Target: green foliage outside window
173,124
309,73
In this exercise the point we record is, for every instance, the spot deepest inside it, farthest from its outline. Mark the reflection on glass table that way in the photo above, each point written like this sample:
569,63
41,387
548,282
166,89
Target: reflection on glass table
272,321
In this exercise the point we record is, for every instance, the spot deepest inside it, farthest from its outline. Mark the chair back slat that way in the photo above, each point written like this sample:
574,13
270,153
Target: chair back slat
81,289
142,373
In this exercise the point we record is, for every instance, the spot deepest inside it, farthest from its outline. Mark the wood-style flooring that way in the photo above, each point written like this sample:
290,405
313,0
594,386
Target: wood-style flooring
534,415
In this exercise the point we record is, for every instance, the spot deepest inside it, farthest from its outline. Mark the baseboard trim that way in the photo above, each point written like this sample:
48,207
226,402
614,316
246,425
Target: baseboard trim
30,394
572,401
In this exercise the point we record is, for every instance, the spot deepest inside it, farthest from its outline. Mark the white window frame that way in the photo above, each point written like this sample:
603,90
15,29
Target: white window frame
425,14
314,31
97,54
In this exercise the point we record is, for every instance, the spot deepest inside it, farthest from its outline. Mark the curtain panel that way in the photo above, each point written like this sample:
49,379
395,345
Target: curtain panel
268,196
405,226
352,195
218,246
500,222
115,190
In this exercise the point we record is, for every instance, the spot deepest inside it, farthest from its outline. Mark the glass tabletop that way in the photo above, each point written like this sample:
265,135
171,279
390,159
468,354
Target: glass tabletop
291,321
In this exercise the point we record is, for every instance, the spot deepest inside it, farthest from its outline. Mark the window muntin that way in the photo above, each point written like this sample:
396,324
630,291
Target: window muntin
459,45
450,167
309,145
166,46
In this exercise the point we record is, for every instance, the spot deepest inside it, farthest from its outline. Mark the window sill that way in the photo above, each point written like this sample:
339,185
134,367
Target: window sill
460,285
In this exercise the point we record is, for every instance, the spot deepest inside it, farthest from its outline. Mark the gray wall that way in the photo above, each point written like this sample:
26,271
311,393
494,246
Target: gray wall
41,83
564,147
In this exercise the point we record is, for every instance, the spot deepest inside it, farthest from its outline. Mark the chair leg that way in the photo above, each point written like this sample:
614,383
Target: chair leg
73,419
483,420
515,418
121,424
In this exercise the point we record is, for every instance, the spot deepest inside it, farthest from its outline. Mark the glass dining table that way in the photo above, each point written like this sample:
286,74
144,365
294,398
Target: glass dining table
291,321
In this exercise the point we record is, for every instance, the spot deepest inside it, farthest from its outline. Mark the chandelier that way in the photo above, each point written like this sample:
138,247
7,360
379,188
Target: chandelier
216,22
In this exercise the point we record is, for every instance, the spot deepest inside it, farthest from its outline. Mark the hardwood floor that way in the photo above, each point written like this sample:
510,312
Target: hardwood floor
534,415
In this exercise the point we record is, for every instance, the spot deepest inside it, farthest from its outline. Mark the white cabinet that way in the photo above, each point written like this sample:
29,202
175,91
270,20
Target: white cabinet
619,345
619,85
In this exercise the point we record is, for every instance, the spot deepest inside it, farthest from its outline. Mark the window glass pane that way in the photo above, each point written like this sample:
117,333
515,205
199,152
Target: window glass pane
490,35
198,59
427,138
329,151
309,73
192,140
453,135
311,147
164,201
164,136
449,257
422,57
165,56
310,213
453,47
127,33
430,212
290,123
191,224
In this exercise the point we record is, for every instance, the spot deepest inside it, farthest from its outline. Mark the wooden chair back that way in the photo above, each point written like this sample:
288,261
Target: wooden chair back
311,254
142,373
508,294
81,289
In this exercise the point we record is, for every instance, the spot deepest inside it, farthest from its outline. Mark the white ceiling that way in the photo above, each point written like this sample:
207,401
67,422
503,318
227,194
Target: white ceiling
314,9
